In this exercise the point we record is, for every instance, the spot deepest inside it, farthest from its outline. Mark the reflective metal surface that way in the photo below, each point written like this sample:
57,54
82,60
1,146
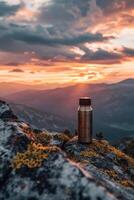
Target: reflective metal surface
85,117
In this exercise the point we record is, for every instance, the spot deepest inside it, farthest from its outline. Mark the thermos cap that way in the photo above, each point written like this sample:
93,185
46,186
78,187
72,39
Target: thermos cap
85,101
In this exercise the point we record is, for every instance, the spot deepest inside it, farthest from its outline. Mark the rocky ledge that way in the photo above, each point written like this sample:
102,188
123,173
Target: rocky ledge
37,165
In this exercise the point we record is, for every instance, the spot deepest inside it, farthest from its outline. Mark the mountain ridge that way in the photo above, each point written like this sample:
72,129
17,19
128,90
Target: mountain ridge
39,119
125,81
113,105
43,165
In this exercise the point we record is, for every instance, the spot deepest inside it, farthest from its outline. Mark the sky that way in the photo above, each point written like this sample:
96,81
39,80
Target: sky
63,42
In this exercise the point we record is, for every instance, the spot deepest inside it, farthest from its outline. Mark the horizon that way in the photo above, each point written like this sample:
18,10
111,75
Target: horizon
61,43
58,86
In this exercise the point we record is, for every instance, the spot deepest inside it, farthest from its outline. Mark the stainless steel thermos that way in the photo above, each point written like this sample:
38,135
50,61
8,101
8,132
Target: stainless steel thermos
85,120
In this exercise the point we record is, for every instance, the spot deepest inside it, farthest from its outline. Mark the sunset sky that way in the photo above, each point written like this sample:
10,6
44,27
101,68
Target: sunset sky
66,41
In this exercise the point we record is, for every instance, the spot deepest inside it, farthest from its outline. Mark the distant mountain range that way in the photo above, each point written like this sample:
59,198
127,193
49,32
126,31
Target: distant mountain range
38,119
113,105
7,88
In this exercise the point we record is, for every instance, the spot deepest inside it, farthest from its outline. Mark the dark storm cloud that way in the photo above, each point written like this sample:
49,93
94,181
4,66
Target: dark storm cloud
101,56
7,10
128,51
60,25
17,70
64,12
32,38
17,38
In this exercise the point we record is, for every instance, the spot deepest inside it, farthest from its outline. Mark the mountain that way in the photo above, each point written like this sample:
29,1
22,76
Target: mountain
38,119
127,82
112,103
7,88
40,165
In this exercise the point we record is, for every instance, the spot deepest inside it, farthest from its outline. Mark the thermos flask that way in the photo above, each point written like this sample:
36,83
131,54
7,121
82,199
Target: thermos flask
85,117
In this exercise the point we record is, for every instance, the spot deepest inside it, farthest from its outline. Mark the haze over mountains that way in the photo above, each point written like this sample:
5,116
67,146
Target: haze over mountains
113,105
7,88
38,119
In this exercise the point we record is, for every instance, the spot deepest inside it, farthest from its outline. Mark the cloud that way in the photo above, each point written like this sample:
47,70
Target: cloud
114,6
33,38
12,64
59,26
13,59
63,13
17,70
18,39
116,15
8,10
102,56
128,52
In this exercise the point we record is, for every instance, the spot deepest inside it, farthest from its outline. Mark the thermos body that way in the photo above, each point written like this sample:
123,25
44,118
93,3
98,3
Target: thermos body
85,121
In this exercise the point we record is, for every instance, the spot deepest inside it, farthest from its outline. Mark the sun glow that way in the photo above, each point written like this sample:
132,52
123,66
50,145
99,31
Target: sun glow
65,73
63,43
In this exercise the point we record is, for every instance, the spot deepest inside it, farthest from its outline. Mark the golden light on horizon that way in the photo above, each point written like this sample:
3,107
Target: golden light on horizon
41,45
71,73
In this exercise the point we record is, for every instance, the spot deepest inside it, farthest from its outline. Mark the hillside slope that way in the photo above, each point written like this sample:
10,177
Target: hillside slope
8,88
52,166
39,119
112,103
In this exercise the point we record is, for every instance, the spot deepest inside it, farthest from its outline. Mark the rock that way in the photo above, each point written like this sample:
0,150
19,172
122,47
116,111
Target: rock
39,165
127,146
6,113
107,164
111,156
118,169
58,178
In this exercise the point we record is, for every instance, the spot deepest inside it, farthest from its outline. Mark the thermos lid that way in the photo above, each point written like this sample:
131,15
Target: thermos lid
85,101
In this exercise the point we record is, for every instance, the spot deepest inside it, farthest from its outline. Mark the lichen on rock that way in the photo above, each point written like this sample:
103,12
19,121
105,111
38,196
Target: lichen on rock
39,165
105,157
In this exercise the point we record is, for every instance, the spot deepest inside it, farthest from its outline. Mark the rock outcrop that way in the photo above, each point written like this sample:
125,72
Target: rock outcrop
38,165
127,146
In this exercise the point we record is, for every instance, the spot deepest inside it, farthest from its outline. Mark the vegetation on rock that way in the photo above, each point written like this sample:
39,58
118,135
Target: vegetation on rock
41,165
102,150
33,157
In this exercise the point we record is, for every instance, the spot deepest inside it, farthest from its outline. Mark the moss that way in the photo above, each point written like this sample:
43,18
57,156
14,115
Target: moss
103,147
63,137
114,176
45,148
37,135
89,154
111,173
127,183
33,157
43,138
